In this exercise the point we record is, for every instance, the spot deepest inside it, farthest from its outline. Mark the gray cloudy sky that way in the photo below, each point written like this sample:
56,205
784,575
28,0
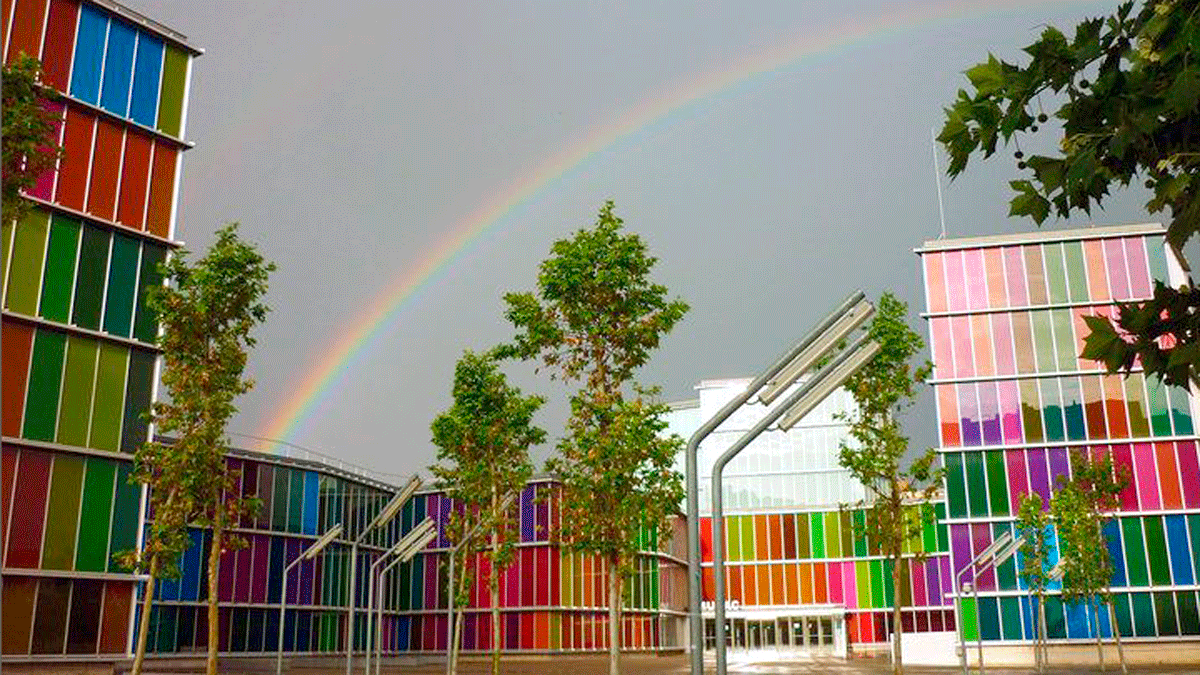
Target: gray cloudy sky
347,137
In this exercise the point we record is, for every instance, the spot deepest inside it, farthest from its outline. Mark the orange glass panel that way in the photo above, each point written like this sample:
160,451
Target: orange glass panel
114,626
162,189
1081,331
821,588
935,281
1093,406
761,546
981,334
806,583
27,29
1114,406
763,573
1093,254
791,583
135,176
76,156
775,537
1168,476
16,344
541,631
993,264
106,164
708,584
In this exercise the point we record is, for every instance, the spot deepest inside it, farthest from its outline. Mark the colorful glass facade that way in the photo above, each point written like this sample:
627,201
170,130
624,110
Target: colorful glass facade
78,356
1014,400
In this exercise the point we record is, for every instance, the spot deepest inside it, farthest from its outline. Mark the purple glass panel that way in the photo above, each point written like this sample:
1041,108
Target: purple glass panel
1014,269
301,576
981,537
946,579
989,413
1018,483
976,281
1060,465
1114,258
968,410
241,576
933,584
960,330
1039,478
543,513
1010,412
262,553
1123,456
1139,277
1146,475
956,291
1189,471
527,530
960,545
1002,342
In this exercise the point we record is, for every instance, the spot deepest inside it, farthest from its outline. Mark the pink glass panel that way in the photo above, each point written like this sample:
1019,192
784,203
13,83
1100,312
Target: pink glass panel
1093,255
981,335
960,329
1118,278
1122,455
956,285
44,187
1018,485
1010,412
943,361
1002,342
1014,269
1189,473
918,583
1147,475
1139,276
993,265
981,537
1081,331
834,572
976,280
935,282
849,587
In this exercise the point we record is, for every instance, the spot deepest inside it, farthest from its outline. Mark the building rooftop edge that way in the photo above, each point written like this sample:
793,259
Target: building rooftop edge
1042,236
149,24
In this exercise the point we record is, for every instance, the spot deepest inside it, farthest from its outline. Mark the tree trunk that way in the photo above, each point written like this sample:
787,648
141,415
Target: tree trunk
144,622
214,565
494,585
897,626
1037,636
1112,619
614,616
458,618
1095,606
1042,629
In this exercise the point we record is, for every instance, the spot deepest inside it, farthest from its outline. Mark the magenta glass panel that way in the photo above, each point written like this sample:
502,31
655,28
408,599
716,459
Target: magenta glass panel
833,572
1010,412
935,282
1060,465
1189,472
939,329
225,577
1018,482
960,329
44,187
849,584
1014,269
241,578
976,281
918,582
1002,343
1140,285
989,413
1118,278
956,283
981,537
1122,455
968,410
542,522
947,580
512,585
960,545
262,554
1039,476
1146,472
431,581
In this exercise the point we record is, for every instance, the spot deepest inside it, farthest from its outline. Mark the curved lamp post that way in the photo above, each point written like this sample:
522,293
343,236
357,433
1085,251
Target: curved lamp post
309,553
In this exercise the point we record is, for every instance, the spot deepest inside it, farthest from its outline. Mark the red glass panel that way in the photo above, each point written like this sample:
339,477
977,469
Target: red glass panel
26,31
162,189
43,188
106,165
25,533
15,345
76,156
114,626
60,43
948,415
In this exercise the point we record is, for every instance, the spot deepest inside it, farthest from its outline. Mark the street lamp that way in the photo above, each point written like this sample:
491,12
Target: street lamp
385,514
993,555
405,543
798,352
308,554
416,540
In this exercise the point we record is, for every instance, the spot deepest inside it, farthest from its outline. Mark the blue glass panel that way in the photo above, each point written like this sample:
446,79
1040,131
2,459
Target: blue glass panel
118,68
147,70
1112,537
191,567
311,485
1157,258
89,54
1105,624
1177,544
1027,618
1078,625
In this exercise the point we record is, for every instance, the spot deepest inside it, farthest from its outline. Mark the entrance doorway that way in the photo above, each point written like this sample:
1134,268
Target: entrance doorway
792,634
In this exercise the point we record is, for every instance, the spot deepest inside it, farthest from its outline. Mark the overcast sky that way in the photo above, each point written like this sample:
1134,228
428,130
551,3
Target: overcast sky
348,137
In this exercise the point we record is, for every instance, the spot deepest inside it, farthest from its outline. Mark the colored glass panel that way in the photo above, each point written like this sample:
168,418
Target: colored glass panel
45,375
66,479
1023,339
1147,475
1093,253
1031,417
1135,403
118,68
960,333
1139,274
143,107
25,33
935,282
1036,274
1072,399
981,341
989,413
16,344
1052,412
59,43
955,485
1181,414
75,159
1056,276
1076,275
968,413
89,284
1114,406
174,79
1043,339
92,549
25,534
956,285
135,176
1168,476
997,483
145,327
162,190
28,256
106,165
1177,544
127,499
976,281
1189,473
1118,277
77,385
976,489
1014,270
1093,406
993,263
122,280
137,399
1135,552
1006,360
59,279
49,626
89,54
948,415
1156,259
1156,549
1160,420
107,408
817,526
1064,339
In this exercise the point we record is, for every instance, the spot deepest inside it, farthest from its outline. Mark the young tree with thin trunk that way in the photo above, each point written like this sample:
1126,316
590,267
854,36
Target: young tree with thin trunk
595,319
875,456
1081,506
1033,525
29,137
483,442
207,311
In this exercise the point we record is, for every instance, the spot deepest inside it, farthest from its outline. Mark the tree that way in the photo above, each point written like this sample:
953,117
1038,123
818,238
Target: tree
1081,506
595,320
876,453
483,444
208,311
1127,88
1033,528
30,134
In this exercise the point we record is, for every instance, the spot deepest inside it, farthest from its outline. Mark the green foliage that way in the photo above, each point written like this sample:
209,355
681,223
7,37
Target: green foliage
1080,507
483,442
29,136
1033,523
1128,93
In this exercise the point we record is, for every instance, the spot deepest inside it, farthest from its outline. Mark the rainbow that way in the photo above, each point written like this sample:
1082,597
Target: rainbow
320,378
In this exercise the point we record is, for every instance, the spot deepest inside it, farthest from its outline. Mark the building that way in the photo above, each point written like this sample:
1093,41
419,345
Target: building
798,578
78,360
1014,400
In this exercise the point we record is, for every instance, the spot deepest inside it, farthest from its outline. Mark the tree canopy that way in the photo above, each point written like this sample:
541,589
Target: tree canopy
30,134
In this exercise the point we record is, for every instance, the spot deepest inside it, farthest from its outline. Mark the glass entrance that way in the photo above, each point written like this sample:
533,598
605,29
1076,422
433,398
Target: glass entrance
804,634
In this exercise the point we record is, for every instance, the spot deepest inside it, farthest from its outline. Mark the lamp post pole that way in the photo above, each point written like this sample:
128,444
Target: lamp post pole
416,534
413,542
308,554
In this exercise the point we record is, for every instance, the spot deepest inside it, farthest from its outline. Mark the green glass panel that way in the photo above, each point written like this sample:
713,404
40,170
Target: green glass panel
976,489
943,532
1135,551
79,379
137,399
166,628
1124,618
1056,276
170,102
847,531
833,541
1156,548
747,532
997,477
62,512
889,584
145,328
877,598
1193,521
1135,398
1189,616
92,549
90,279
859,520
296,502
1072,399
989,618
45,376
1064,339
1006,572
1010,618
6,238
1156,257
1052,412
1031,411
969,625
1043,340
1076,276
59,281
1180,414
1164,614
905,583
928,529
862,579
107,408
1056,626
122,280
817,523
280,500
29,251
956,487
1160,418
125,514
